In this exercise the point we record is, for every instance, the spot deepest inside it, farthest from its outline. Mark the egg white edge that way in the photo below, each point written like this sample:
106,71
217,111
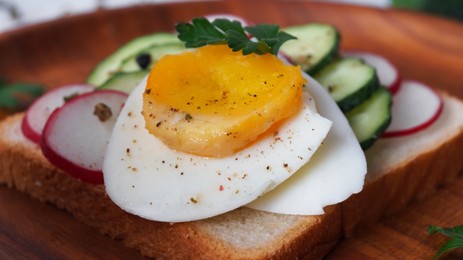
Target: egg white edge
336,171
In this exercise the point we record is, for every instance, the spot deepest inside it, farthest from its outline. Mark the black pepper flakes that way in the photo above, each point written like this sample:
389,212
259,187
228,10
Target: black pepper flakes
103,112
69,97
158,124
143,60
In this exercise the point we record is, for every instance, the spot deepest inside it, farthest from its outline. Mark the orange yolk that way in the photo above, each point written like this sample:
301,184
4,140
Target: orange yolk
214,102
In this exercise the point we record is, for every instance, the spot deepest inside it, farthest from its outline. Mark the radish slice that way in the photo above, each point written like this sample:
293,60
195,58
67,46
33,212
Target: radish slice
38,113
231,17
76,135
387,73
415,107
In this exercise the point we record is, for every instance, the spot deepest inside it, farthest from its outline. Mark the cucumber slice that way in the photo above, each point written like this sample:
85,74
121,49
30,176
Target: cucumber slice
124,81
104,70
316,46
155,52
350,82
371,118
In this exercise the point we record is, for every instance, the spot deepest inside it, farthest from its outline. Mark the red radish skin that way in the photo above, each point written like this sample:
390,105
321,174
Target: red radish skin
38,113
395,85
400,125
388,75
74,139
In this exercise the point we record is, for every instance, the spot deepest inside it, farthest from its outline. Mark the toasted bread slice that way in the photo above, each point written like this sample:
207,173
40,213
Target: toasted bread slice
400,170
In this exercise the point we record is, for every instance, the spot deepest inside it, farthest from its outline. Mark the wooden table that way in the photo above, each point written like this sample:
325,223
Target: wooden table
424,48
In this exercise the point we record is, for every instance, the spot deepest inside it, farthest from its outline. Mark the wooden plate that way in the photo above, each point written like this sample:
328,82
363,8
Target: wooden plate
424,48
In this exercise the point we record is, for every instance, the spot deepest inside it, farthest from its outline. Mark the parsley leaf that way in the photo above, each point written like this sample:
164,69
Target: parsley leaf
226,25
199,33
267,38
456,233
18,96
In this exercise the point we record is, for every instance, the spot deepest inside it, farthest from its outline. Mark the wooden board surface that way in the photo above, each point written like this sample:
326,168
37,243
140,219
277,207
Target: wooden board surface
424,48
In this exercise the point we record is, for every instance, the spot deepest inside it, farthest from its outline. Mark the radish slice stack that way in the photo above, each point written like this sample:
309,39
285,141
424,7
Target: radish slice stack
412,97
387,73
415,106
76,135
39,112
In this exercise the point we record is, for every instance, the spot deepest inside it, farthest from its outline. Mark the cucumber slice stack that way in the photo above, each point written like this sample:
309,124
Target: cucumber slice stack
352,83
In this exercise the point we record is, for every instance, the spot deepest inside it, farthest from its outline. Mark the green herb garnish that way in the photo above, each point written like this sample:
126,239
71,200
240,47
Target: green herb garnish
200,32
456,235
18,96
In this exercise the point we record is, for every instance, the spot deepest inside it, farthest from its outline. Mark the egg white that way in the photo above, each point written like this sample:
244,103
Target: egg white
146,178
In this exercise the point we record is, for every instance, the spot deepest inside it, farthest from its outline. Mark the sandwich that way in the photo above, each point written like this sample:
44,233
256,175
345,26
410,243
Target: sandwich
134,189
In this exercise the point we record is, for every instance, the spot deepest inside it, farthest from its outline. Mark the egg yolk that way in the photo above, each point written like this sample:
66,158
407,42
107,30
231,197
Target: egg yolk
214,102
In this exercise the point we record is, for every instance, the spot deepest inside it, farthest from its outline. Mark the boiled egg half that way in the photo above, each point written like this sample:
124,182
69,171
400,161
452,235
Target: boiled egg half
209,131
